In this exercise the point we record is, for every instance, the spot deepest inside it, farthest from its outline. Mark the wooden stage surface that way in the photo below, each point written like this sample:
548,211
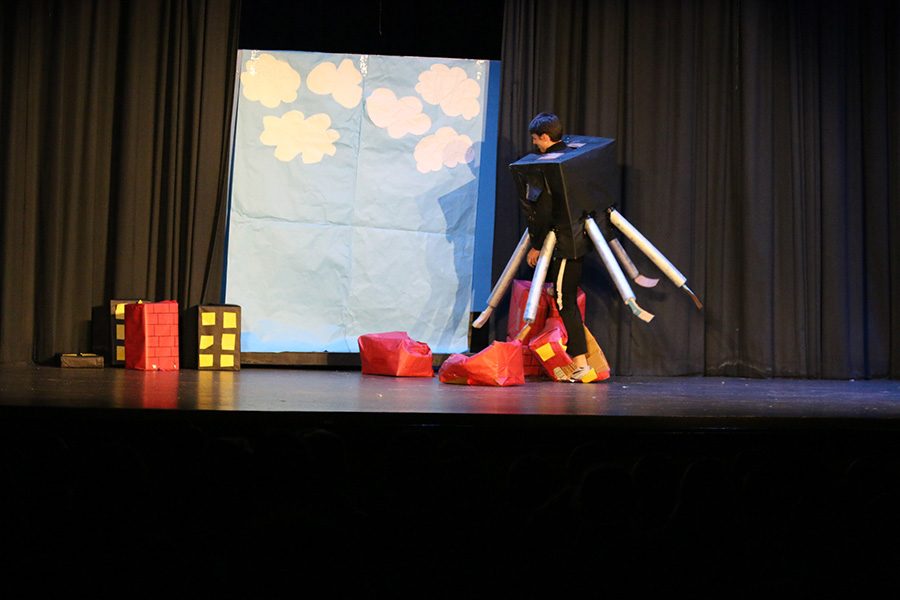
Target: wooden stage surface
652,401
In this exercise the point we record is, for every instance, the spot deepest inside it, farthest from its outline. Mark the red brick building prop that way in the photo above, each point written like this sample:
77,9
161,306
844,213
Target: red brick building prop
151,336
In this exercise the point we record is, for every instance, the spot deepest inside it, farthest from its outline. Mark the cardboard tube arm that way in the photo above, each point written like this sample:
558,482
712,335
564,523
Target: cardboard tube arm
664,265
615,271
540,274
506,277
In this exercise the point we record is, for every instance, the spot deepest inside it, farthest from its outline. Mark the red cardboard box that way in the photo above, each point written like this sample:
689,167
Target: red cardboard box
549,346
518,299
151,336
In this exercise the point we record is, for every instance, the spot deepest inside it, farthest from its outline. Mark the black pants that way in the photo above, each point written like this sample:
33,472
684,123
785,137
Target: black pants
566,300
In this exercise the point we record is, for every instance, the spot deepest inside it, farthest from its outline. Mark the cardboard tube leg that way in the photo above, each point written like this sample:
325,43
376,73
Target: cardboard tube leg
663,263
638,239
618,277
540,274
509,272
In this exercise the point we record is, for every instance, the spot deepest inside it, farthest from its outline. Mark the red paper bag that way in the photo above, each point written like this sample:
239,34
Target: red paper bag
394,353
151,336
500,364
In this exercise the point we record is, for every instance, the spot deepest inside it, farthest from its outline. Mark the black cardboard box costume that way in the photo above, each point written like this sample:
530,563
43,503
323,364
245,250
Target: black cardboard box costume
562,192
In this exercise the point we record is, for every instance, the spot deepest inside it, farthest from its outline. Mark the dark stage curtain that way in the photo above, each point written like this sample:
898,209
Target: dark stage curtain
115,120
759,143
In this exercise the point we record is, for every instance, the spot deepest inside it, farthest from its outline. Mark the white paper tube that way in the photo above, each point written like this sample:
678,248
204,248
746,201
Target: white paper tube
540,274
615,271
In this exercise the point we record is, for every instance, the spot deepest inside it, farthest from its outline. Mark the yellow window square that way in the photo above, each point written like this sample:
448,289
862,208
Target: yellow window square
207,318
120,332
227,341
229,320
120,310
120,352
226,360
207,341
206,360
545,352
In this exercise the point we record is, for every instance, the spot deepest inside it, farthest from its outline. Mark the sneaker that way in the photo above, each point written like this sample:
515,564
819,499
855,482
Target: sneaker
583,375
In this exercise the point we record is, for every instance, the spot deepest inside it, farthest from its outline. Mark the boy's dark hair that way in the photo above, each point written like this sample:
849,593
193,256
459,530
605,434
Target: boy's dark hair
546,123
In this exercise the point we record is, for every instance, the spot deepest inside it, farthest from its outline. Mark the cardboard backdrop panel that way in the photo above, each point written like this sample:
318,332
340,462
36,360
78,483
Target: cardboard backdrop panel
355,198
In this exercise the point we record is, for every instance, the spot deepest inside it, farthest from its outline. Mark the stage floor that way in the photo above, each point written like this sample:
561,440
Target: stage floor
269,477
699,401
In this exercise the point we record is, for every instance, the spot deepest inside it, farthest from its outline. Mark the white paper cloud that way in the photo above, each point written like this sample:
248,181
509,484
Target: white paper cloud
398,116
269,81
291,135
452,89
341,82
444,148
